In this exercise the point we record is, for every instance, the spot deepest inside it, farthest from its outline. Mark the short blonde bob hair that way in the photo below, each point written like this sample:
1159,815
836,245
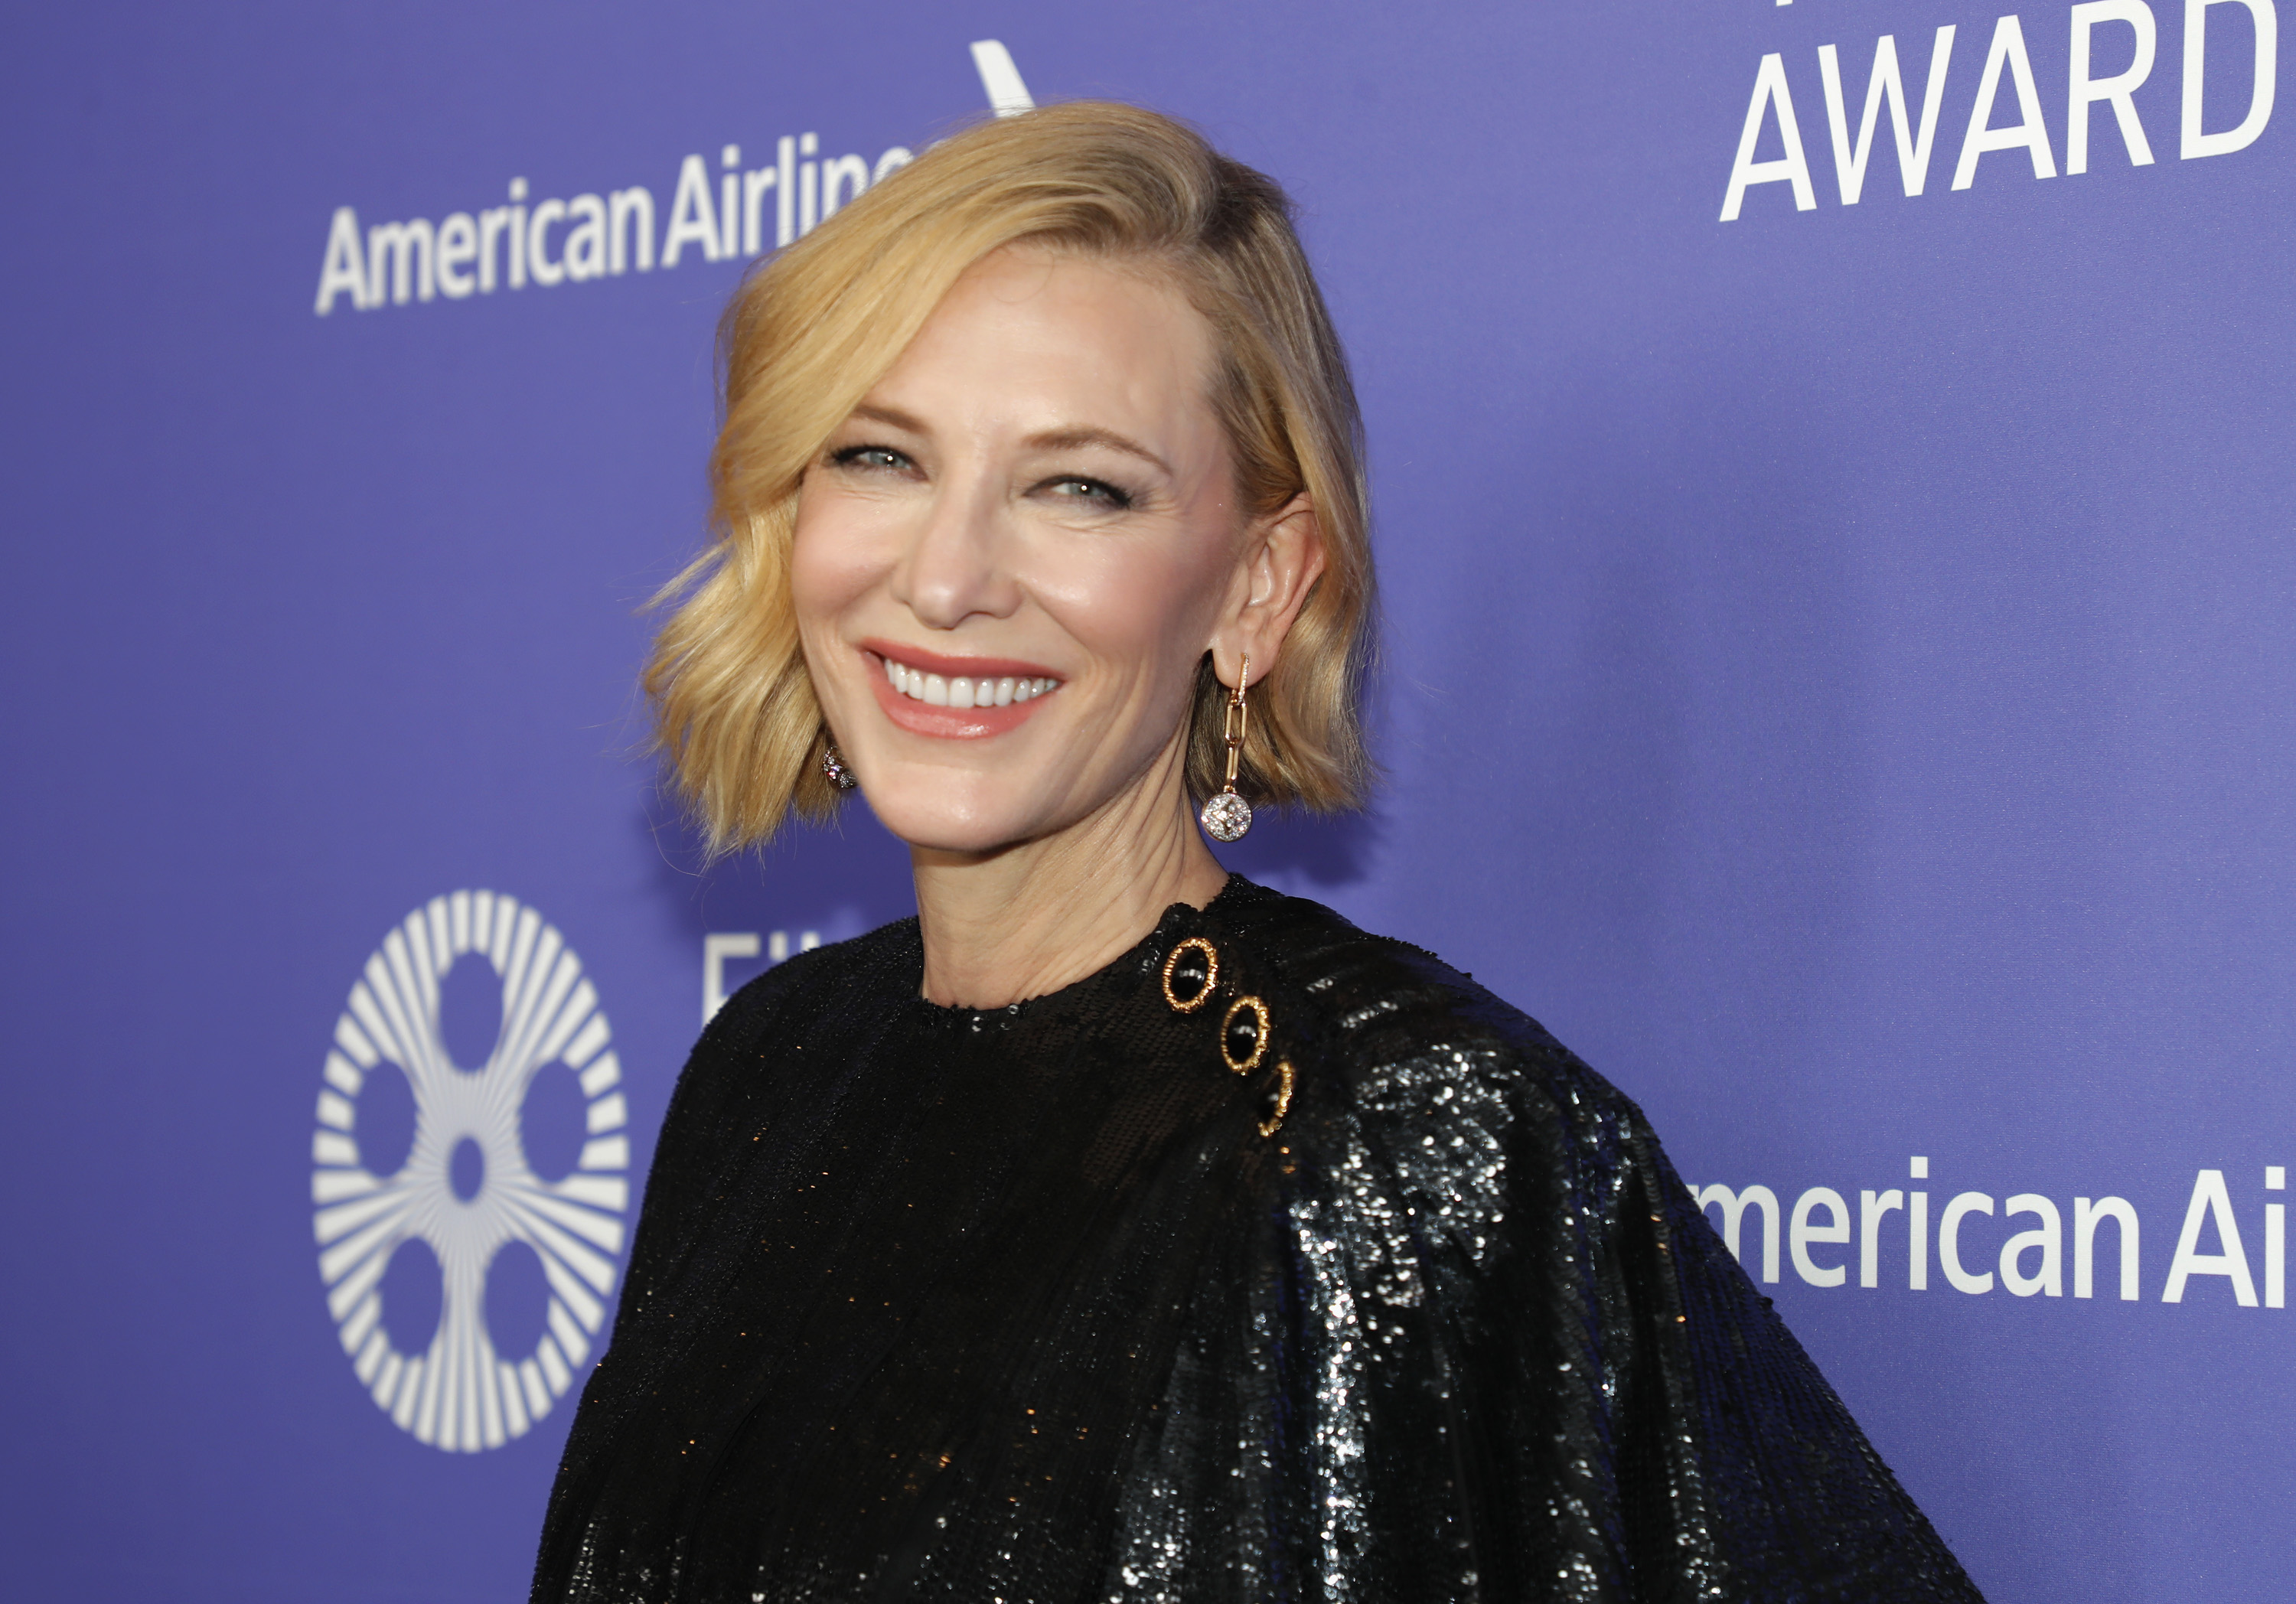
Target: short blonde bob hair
815,327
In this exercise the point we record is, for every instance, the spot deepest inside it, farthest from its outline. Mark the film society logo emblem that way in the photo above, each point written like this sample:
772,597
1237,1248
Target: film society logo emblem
466,1189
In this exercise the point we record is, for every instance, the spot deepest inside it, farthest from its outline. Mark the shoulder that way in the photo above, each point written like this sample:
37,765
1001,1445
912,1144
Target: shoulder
1436,1132
1410,1047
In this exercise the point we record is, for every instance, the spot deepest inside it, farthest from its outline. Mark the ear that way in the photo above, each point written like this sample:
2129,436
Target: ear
1283,559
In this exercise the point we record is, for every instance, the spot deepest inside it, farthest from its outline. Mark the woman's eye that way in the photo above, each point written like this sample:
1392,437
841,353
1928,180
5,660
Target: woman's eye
884,458
1091,491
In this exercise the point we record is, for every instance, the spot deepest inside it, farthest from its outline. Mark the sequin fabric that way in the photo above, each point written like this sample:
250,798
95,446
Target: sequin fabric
1021,1308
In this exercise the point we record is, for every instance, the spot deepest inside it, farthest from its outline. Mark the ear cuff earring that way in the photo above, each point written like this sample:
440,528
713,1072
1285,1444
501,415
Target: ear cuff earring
1227,817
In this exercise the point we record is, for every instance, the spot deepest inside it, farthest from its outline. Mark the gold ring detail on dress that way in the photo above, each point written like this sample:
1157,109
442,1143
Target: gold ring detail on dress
1275,1122
1260,1041
1211,974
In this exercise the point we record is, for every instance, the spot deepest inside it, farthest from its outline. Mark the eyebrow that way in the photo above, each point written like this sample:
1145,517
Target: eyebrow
1056,439
869,411
1074,440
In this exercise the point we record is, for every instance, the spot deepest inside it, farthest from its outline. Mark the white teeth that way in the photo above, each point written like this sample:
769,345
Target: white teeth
960,692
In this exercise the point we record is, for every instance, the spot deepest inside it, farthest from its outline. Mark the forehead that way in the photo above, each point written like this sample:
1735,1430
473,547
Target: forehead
1029,328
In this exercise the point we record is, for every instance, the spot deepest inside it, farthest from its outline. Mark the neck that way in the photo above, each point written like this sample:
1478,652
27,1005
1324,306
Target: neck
1031,918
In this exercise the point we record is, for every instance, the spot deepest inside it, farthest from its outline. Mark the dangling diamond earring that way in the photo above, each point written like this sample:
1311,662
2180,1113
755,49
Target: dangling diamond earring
833,769
1227,817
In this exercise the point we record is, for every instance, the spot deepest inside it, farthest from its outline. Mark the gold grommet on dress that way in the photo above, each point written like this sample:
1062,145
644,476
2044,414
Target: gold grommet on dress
1233,1035
1275,1120
1203,994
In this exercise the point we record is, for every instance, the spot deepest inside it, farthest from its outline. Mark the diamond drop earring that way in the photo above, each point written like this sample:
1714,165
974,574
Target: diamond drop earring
1227,817
833,769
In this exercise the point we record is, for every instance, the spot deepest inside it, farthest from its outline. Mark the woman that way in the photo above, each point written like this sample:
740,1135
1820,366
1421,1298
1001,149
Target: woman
1117,1229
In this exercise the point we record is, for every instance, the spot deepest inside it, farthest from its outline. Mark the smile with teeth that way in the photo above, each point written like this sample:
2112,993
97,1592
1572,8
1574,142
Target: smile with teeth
958,692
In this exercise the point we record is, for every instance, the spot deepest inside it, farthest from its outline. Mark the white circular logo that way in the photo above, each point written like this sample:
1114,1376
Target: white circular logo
466,1188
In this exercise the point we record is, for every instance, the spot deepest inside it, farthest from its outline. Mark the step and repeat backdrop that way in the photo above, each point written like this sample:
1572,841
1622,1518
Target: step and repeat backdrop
1834,478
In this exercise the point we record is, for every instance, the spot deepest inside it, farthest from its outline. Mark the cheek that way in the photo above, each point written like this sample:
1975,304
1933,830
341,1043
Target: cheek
1147,607
829,567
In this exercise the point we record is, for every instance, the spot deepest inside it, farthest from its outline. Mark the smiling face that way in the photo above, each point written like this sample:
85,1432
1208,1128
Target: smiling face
1011,558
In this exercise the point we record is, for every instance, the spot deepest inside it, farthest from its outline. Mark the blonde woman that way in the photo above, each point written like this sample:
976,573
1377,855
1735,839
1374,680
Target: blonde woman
1117,1229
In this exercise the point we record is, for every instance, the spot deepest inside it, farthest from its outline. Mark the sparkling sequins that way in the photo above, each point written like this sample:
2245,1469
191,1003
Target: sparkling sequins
1460,1335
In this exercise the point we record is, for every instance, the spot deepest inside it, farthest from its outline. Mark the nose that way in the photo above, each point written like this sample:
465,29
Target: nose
954,567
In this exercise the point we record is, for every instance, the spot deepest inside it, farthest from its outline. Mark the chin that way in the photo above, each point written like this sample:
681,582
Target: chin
936,816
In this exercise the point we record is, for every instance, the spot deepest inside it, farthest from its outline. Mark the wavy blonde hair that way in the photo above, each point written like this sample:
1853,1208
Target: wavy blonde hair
815,327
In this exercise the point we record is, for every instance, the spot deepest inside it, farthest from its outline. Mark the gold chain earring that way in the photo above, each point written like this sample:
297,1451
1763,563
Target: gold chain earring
1227,817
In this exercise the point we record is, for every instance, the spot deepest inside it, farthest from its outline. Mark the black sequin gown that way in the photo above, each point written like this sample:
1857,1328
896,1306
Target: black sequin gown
927,1304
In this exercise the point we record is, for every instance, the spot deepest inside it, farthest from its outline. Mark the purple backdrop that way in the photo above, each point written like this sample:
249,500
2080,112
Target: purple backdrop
1837,675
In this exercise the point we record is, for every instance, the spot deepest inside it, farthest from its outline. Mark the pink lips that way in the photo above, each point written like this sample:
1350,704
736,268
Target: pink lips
957,724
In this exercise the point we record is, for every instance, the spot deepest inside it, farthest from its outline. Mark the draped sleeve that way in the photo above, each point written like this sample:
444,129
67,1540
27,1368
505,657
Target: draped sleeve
1491,1348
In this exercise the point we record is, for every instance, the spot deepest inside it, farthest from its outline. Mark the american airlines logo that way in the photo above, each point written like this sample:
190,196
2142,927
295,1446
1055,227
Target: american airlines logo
730,212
